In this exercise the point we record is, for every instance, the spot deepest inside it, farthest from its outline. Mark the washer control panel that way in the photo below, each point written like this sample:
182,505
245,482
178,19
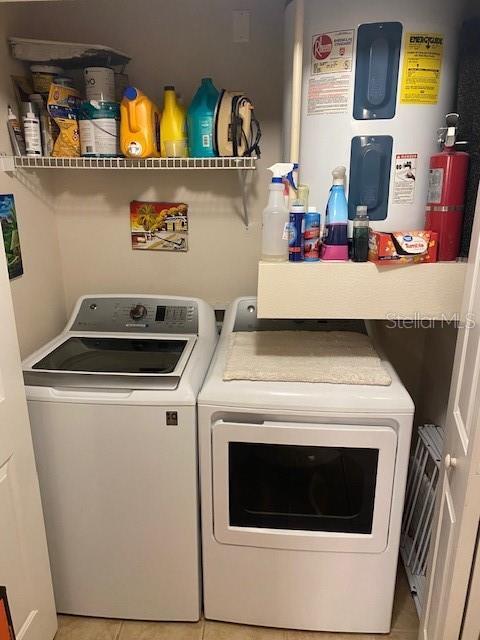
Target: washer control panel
137,315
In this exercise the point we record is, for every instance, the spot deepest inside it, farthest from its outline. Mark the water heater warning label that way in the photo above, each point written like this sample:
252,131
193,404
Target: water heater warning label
422,64
328,94
332,52
404,178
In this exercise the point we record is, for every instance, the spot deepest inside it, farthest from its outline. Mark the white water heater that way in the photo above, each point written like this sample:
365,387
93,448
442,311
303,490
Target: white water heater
378,77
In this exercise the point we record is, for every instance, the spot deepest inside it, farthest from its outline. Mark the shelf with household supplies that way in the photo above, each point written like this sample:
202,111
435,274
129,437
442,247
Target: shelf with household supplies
361,290
93,117
10,163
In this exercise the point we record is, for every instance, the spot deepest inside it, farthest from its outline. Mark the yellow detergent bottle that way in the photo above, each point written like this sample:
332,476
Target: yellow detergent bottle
173,126
139,125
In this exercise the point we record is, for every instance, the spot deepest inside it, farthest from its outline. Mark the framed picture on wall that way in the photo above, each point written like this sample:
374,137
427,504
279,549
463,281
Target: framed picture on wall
159,226
6,625
11,239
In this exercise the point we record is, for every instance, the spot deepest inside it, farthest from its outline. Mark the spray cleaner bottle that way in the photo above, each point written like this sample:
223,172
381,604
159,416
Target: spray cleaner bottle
335,241
276,217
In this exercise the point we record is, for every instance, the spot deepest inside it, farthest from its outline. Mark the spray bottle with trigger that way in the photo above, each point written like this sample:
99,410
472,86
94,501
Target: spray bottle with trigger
276,216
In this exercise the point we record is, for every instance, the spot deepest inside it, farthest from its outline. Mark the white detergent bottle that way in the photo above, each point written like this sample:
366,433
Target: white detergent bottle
276,217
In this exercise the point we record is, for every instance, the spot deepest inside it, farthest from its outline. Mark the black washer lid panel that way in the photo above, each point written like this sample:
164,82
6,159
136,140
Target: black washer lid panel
114,355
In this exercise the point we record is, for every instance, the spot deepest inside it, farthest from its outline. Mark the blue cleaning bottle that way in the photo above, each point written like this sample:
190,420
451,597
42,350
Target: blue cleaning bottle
335,240
201,120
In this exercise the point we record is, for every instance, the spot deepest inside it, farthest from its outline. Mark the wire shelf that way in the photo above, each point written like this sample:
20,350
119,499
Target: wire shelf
26,162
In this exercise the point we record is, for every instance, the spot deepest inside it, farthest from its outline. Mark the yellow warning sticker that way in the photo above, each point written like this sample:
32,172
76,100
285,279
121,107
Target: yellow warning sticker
422,63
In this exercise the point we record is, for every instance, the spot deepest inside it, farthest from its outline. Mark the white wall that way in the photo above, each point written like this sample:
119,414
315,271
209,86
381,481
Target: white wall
173,41
38,295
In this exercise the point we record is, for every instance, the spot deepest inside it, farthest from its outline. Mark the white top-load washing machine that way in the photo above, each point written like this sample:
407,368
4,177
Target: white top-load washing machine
302,490
112,404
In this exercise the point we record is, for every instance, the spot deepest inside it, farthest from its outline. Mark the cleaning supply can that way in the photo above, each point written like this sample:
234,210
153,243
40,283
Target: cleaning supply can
99,84
139,125
99,124
47,127
312,235
15,132
296,233
201,120
31,129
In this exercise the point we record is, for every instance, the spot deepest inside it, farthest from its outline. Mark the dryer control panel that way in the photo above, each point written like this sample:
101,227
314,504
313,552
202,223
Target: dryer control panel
246,320
137,315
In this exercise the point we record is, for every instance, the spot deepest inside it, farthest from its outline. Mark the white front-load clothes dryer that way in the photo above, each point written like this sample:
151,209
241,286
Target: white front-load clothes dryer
112,403
302,490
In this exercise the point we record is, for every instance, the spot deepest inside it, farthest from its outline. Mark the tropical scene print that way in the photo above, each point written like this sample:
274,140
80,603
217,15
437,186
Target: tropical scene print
159,226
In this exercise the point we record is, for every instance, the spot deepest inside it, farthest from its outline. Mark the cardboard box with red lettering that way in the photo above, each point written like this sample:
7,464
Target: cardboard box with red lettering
402,247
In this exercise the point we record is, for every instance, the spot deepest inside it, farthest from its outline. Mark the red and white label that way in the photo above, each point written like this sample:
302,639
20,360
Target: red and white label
332,52
322,46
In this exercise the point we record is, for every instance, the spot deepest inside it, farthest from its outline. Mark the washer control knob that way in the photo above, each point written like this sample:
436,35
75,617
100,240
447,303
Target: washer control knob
450,462
138,312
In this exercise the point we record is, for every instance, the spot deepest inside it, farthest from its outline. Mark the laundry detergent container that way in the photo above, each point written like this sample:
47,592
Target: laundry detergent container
200,120
378,78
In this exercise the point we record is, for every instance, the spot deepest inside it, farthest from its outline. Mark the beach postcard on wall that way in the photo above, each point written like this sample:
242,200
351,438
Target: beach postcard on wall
159,226
11,240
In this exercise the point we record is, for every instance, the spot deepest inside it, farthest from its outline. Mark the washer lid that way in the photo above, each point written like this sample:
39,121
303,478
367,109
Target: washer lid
112,362
114,355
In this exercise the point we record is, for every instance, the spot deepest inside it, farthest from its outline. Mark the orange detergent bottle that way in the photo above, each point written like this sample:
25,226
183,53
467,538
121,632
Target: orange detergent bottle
139,125
173,126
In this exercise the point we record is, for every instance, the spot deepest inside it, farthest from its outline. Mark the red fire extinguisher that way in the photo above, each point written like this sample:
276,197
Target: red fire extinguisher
446,191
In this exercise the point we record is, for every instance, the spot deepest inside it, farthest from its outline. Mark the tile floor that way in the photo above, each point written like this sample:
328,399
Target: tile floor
404,627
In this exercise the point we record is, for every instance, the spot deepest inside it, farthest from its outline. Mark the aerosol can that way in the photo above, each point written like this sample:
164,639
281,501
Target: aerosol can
275,230
446,190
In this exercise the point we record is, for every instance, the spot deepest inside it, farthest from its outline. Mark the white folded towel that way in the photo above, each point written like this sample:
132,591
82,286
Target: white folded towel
338,357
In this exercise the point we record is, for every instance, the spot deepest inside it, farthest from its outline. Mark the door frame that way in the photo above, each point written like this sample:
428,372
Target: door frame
457,510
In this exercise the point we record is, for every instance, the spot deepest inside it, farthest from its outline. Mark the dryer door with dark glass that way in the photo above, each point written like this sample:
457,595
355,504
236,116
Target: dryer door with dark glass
303,486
